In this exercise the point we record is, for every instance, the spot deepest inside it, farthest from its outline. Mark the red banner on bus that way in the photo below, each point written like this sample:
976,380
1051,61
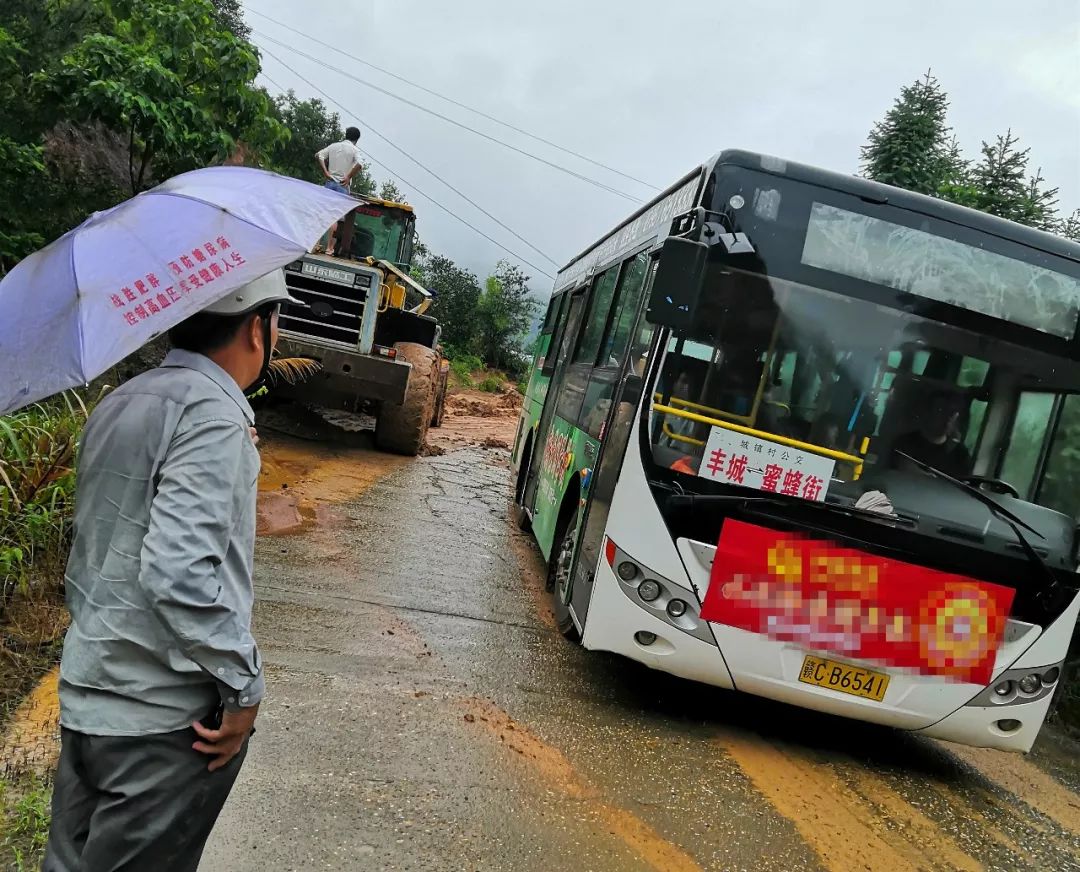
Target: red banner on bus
815,593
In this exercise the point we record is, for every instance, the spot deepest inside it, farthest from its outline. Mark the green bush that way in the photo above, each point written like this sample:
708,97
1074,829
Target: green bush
492,384
25,806
37,487
462,367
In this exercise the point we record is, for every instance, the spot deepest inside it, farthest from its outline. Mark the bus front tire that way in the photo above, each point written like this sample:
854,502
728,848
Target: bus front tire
560,582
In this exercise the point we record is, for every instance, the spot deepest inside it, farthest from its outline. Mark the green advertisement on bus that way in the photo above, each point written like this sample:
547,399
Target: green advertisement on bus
566,460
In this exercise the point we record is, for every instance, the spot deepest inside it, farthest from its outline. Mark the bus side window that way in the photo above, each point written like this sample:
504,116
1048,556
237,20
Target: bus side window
1060,487
1021,462
613,348
603,295
627,303
560,306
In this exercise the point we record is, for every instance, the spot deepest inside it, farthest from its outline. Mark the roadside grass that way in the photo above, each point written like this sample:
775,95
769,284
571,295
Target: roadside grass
38,446
462,369
492,383
37,491
24,826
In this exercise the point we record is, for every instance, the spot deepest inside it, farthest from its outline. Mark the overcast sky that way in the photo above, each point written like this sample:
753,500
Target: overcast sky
654,88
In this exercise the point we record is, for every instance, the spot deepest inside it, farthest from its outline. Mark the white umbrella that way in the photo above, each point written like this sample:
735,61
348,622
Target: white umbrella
127,275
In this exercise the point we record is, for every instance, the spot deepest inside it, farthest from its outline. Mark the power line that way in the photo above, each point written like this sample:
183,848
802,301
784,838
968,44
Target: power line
460,193
271,81
405,181
449,120
458,103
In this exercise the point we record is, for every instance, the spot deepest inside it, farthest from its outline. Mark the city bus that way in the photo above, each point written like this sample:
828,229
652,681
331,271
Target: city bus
802,435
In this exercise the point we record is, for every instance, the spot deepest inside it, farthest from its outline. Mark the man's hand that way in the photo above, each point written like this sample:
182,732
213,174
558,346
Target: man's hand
254,435
225,743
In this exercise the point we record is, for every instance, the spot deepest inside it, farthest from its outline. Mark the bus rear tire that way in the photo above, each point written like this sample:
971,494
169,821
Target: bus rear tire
517,510
560,582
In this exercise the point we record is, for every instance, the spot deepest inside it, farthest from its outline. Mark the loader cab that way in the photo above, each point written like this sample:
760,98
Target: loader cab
384,231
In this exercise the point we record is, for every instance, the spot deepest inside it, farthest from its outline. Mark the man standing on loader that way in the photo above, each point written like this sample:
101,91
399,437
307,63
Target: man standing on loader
340,162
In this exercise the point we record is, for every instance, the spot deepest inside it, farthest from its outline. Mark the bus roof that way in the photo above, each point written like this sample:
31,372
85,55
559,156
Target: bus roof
859,187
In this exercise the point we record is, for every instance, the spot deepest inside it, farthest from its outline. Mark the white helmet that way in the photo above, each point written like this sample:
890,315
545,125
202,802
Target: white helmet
270,288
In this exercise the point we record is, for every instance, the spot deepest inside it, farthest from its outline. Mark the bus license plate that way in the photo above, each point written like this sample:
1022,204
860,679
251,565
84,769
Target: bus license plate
843,678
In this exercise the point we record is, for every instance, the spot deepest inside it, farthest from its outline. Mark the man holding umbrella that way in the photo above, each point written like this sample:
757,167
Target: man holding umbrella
161,678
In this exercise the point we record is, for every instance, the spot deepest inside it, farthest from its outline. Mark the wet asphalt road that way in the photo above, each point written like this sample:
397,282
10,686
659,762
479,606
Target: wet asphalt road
423,714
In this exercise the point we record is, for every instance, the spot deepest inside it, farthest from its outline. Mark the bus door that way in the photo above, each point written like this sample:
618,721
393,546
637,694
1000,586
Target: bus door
555,366
616,383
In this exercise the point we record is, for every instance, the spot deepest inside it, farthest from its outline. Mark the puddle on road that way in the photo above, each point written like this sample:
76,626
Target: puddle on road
301,481
556,770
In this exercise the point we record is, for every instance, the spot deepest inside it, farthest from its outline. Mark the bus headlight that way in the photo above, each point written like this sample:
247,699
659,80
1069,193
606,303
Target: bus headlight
627,570
676,608
1051,676
1029,684
1004,689
649,590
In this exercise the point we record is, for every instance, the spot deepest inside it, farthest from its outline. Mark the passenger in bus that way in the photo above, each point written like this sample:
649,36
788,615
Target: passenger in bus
739,378
677,429
938,442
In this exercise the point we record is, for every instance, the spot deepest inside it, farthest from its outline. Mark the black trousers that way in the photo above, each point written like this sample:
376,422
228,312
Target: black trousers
134,804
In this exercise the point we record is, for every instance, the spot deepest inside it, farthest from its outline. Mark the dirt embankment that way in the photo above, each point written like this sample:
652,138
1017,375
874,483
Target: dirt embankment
477,418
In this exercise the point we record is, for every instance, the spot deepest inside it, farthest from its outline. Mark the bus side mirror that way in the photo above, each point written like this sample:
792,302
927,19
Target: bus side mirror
677,284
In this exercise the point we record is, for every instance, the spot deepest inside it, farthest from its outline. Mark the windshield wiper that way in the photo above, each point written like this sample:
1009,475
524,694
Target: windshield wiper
678,500
1050,596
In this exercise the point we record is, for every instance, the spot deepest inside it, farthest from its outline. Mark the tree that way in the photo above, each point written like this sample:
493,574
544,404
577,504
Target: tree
910,148
505,312
1070,227
389,192
457,295
1005,189
310,127
169,76
230,14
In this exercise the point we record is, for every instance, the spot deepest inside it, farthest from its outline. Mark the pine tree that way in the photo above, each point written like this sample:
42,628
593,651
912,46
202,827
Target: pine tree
910,148
1070,227
1005,189
956,184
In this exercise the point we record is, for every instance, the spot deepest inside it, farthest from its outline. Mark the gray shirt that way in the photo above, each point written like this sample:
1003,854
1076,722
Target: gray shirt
159,578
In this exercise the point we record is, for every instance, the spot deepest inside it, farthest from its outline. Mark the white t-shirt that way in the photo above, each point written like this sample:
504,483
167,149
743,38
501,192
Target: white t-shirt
340,157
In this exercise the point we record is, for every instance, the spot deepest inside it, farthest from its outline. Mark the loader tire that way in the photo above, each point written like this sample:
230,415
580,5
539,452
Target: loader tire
402,429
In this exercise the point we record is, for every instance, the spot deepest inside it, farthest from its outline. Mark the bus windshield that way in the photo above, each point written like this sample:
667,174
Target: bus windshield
799,391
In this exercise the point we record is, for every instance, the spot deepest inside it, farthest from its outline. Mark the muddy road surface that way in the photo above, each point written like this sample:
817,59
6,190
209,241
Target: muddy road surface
424,714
